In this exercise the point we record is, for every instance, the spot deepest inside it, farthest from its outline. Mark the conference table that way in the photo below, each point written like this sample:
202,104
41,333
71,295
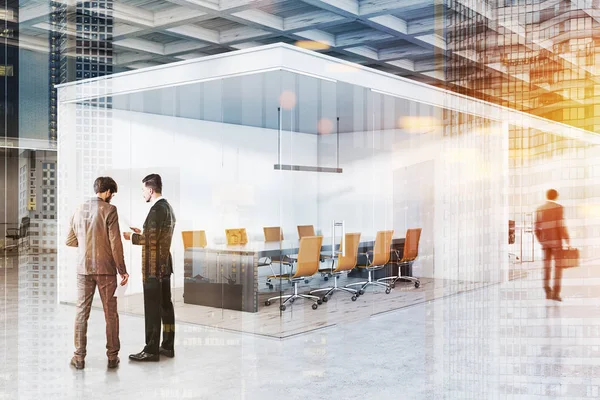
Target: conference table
226,276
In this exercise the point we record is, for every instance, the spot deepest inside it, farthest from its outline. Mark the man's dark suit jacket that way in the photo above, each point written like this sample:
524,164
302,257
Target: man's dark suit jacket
156,240
550,229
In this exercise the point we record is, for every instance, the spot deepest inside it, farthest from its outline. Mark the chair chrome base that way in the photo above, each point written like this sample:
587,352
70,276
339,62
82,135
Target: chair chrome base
394,279
371,282
275,275
290,298
335,288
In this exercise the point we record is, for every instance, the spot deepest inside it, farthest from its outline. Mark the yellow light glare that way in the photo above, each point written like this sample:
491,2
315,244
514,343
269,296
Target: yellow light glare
312,45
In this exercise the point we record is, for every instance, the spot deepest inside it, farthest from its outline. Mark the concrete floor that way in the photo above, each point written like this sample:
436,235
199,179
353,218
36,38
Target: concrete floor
502,341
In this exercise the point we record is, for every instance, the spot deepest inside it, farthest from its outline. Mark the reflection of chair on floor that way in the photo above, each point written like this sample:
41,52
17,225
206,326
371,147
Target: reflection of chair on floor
306,266
346,261
411,251
380,256
274,234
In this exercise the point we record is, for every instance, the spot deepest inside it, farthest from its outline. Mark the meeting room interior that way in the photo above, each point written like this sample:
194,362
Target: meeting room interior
308,191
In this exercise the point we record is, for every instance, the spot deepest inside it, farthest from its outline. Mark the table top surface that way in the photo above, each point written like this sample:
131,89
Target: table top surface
284,247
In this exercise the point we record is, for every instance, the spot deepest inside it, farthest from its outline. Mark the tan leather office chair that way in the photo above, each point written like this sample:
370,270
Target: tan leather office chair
309,230
236,236
306,266
306,230
193,239
346,261
409,255
377,258
275,234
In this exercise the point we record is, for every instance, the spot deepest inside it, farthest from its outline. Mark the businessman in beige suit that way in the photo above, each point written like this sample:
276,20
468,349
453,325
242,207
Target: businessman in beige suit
550,231
94,230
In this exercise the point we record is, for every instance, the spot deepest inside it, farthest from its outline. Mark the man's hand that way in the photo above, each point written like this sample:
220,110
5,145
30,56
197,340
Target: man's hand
135,230
124,279
127,235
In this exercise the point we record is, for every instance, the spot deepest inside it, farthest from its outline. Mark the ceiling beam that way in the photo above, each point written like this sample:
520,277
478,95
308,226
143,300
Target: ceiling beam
231,6
202,5
260,19
364,51
237,35
355,38
314,19
130,57
402,52
318,36
195,32
182,47
141,45
347,8
372,8
135,15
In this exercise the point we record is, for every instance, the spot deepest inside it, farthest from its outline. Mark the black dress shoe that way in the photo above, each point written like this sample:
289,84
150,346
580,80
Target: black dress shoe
143,356
114,363
77,364
167,353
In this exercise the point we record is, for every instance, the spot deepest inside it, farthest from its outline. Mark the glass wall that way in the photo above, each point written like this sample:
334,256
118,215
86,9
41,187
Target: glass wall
286,150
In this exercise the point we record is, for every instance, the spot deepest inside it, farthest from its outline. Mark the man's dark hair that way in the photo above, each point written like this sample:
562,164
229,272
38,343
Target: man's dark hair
154,182
552,194
104,183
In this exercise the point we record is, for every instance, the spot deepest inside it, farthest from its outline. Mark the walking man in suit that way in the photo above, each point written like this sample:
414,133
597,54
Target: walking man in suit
550,231
94,230
157,267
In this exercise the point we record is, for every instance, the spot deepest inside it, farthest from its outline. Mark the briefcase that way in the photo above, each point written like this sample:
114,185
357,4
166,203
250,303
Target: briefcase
567,257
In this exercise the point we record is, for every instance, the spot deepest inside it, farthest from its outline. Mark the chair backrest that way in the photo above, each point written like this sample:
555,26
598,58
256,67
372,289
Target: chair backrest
381,250
411,244
306,230
193,239
236,236
273,234
309,256
348,261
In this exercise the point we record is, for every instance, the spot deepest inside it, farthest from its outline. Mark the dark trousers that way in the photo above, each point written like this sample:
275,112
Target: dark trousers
158,307
549,254
86,286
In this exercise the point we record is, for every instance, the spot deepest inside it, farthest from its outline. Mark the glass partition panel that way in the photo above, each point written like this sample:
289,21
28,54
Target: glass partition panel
292,151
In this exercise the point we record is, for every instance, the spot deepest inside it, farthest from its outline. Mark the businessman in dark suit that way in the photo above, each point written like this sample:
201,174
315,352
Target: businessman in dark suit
157,267
550,231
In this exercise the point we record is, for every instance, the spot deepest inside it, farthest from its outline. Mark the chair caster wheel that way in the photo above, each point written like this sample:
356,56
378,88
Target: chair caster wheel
267,303
354,297
282,308
324,299
361,292
319,302
292,301
326,278
306,281
393,285
315,306
388,290
270,286
417,284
